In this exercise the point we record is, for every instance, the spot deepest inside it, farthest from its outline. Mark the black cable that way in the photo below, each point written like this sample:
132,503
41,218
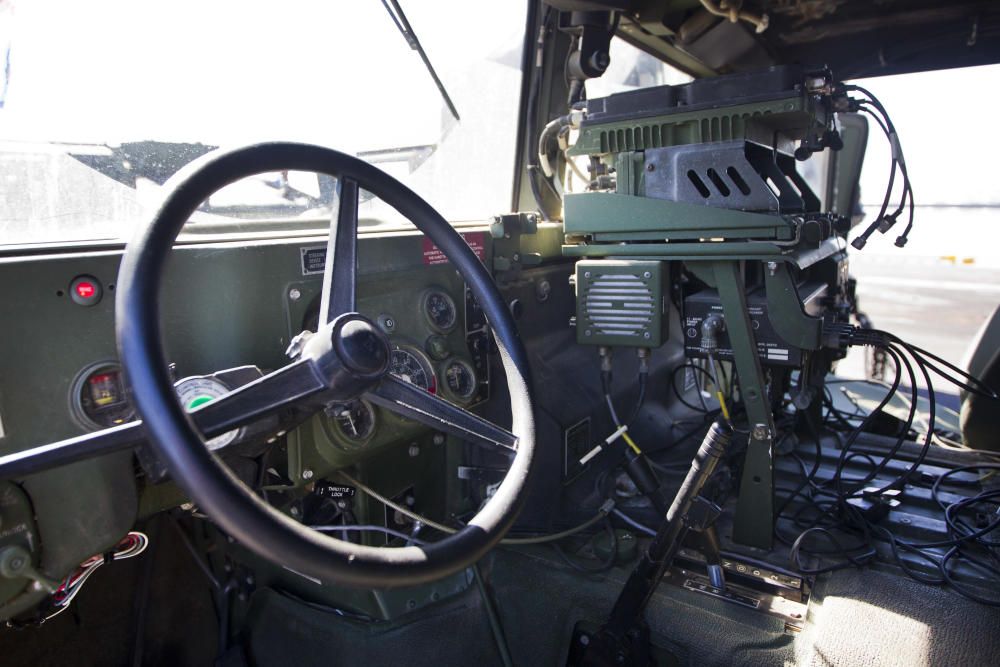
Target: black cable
827,520
673,385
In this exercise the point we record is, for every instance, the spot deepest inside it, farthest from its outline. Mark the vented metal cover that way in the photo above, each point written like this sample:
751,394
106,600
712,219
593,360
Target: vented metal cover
620,303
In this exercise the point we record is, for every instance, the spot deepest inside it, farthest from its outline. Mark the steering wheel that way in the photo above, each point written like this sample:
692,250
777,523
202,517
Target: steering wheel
347,358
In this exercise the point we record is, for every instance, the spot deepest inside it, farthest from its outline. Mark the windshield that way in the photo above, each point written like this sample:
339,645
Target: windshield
102,101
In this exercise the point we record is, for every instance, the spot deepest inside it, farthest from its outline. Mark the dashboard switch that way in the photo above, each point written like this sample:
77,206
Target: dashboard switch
86,290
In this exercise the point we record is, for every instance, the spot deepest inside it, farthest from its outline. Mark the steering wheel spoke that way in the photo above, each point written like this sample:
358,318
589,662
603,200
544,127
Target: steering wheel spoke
340,272
411,401
289,385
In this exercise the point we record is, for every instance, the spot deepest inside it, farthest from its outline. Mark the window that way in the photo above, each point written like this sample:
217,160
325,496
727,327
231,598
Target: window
103,101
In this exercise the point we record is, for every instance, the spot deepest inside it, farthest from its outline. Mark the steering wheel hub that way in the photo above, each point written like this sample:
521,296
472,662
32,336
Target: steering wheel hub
361,347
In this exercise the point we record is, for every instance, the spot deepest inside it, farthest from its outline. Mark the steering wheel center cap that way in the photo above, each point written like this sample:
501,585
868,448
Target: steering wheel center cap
361,346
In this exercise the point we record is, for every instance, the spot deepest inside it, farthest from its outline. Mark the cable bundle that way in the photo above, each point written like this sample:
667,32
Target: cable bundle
845,513
133,544
870,105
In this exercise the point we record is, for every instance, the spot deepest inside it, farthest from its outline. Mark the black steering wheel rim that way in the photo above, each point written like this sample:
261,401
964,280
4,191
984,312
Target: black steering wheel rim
210,484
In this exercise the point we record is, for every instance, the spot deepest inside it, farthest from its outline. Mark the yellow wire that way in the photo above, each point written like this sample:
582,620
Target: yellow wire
631,443
722,404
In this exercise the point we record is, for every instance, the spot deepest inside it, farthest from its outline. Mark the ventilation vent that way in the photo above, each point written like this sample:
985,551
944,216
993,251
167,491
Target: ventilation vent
619,303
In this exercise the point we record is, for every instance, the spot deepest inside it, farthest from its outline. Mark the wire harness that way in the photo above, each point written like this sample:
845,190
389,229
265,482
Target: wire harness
841,519
133,544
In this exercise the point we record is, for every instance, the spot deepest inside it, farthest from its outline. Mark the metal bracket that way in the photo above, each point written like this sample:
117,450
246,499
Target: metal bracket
753,523
507,256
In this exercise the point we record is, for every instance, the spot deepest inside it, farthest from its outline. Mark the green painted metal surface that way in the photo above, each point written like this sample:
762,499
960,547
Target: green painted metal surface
626,217
620,303
754,122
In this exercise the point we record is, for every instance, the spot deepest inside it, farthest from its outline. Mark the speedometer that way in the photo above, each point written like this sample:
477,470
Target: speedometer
408,366
198,390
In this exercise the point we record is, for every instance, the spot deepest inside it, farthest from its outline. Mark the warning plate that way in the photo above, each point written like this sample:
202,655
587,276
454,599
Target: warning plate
434,255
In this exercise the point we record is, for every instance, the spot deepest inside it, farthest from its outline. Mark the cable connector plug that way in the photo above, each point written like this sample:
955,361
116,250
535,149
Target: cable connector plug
886,223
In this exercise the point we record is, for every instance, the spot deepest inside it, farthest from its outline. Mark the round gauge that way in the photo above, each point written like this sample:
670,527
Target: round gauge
198,390
354,421
99,399
440,310
460,378
408,365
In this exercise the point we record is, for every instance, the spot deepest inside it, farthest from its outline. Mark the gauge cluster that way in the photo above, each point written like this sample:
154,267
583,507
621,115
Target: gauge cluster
428,328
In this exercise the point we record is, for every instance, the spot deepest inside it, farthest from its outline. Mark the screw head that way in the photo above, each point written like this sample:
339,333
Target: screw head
307,474
414,451
584,639
294,511
647,275
587,332
294,294
439,438
650,167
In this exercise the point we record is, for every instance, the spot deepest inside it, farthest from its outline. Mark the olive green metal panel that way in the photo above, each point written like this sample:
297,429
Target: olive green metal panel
754,122
595,213
784,309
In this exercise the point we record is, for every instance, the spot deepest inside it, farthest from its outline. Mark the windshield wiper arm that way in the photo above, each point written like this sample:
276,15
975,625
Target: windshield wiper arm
399,18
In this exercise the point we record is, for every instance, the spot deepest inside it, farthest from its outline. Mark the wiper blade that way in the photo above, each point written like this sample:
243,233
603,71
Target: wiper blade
399,18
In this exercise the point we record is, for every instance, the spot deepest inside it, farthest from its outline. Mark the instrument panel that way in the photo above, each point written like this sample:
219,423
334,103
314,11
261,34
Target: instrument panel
426,316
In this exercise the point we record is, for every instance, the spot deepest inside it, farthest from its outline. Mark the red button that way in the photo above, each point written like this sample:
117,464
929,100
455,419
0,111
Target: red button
85,290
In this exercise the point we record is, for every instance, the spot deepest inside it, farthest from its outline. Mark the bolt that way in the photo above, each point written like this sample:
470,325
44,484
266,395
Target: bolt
342,504
187,507
760,432
389,323
645,334
516,257
414,451
16,563
650,167
647,275
772,268
586,274
294,294
439,438
294,511
307,474
584,639
587,332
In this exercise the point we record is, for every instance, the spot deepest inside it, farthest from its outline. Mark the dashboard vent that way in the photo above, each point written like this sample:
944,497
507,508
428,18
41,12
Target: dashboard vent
620,303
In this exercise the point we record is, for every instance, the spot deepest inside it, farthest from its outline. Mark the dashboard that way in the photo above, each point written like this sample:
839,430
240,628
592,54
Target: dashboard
229,306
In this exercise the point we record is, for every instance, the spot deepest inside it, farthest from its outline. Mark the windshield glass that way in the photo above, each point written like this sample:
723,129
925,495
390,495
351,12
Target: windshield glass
101,102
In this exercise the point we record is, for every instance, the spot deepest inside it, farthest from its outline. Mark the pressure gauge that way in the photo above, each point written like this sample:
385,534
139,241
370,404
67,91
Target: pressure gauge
439,309
409,365
354,420
460,379
198,390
